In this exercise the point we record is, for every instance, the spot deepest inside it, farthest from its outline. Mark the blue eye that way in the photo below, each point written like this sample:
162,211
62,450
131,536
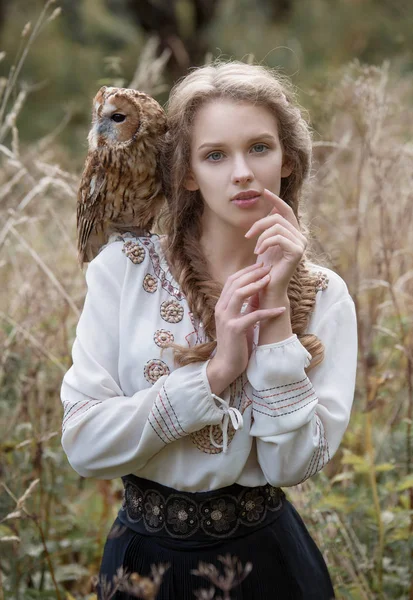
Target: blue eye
214,156
260,148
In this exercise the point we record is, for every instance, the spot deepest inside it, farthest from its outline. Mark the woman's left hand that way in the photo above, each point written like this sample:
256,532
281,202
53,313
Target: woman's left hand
280,244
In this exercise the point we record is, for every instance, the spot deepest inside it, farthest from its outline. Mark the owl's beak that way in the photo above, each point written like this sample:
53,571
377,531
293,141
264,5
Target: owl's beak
102,128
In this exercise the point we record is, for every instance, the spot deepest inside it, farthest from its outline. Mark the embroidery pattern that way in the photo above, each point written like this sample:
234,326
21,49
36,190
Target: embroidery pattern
164,420
180,516
154,369
150,284
166,282
163,337
321,456
284,399
253,506
172,311
197,335
219,515
322,281
71,409
134,251
153,506
238,399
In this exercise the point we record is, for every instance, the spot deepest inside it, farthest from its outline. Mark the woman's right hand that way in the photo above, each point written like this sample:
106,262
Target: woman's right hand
233,328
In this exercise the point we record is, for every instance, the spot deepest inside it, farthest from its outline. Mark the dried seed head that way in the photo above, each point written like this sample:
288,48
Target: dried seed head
55,14
26,29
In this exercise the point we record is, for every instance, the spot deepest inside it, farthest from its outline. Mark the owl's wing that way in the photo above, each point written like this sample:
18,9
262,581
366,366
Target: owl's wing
89,205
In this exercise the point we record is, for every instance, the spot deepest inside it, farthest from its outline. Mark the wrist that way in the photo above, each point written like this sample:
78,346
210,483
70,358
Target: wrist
218,379
274,300
276,329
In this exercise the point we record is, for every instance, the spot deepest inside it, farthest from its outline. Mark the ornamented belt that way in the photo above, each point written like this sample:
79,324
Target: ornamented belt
151,508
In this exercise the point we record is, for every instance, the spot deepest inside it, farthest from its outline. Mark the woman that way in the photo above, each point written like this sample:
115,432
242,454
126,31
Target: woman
216,364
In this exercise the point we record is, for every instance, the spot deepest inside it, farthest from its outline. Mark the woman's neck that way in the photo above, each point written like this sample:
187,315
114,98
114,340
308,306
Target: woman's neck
227,254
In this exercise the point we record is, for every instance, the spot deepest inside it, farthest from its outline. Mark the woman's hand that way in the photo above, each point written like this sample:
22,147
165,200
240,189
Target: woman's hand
235,329
280,245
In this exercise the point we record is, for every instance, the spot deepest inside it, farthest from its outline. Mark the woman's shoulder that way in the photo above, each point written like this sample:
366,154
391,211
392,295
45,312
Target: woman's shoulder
331,286
129,249
334,310
133,259
121,254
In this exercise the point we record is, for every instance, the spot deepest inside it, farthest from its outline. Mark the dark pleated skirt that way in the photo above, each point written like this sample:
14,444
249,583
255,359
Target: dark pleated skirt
286,562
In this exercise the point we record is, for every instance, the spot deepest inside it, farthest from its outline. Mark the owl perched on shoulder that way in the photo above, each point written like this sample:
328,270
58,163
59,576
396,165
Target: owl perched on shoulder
121,187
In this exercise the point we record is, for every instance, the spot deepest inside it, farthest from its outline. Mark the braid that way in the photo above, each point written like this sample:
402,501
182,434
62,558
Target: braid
206,291
302,294
187,260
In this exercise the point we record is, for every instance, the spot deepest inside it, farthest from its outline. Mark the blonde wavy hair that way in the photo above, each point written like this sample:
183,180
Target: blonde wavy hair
181,219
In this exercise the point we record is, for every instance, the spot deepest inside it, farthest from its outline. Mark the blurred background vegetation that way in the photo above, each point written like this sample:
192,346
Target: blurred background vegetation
352,63
99,41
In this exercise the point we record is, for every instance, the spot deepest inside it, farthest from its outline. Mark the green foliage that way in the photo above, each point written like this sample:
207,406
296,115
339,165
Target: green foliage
309,43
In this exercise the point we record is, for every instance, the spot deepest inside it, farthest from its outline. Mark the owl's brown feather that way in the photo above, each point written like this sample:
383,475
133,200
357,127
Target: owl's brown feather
121,188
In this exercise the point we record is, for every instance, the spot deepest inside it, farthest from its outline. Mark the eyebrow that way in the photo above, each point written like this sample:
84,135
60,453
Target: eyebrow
260,136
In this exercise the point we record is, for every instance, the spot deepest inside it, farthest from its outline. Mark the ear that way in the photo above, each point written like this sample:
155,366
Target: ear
190,183
286,169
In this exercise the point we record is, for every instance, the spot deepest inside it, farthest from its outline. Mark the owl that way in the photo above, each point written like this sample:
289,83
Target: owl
121,187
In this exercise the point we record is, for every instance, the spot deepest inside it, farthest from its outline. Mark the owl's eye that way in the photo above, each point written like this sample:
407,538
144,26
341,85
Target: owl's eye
118,118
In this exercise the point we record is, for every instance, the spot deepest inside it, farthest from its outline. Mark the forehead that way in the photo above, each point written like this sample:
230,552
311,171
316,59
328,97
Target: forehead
112,99
222,120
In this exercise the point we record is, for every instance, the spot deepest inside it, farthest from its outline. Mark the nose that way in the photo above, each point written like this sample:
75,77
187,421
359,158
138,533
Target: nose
241,172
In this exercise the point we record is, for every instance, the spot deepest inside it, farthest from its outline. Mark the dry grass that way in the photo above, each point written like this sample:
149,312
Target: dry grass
362,216
360,509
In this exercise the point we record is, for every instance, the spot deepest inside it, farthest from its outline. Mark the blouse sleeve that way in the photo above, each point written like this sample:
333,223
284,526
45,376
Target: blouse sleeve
299,420
106,433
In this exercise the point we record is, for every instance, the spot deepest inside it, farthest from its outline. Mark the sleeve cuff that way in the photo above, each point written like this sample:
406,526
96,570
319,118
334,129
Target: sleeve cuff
280,363
188,390
285,342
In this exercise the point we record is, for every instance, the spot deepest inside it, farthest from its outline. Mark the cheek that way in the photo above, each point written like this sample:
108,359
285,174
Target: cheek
209,178
209,189
269,172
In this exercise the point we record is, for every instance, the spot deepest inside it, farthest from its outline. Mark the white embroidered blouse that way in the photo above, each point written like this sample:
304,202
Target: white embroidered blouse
127,409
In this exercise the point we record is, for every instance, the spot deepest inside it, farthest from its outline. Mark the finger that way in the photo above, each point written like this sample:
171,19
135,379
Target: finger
284,243
247,321
242,272
240,282
237,275
295,236
269,221
253,303
280,206
241,294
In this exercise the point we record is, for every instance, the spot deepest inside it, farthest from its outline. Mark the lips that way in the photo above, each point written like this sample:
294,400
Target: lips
246,195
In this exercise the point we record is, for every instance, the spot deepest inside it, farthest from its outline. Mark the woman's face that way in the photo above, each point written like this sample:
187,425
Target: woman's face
235,149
